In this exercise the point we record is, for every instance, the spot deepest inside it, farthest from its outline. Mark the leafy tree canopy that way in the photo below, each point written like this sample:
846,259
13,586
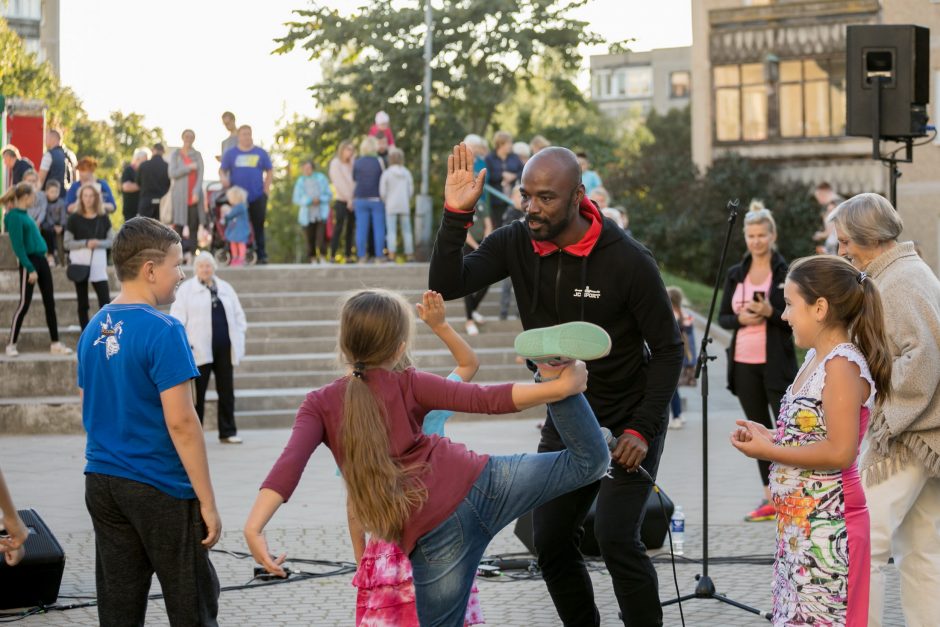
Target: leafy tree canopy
373,60
111,142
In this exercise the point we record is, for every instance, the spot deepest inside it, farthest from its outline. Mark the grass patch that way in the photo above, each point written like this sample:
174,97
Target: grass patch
698,295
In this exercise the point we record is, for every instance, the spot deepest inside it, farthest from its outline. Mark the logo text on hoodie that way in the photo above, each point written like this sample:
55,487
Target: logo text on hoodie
587,293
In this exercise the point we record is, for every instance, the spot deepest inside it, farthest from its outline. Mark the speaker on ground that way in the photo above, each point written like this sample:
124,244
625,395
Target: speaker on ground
35,580
652,532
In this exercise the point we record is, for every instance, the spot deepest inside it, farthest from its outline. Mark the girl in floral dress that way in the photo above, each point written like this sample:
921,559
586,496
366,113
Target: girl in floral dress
386,595
821,571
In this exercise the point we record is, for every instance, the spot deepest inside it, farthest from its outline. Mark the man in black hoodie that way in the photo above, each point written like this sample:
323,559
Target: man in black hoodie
566,263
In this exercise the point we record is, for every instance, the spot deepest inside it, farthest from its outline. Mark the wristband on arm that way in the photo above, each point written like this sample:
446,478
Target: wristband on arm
636,434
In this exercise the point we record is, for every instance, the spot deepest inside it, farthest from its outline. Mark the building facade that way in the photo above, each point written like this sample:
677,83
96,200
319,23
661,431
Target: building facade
633,83
37,23
769,83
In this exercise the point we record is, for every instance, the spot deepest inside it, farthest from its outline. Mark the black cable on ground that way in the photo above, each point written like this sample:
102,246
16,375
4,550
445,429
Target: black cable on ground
258,581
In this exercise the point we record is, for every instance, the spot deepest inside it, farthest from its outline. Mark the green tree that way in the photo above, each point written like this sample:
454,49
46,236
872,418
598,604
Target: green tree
373,60
681,215
549,104
111,142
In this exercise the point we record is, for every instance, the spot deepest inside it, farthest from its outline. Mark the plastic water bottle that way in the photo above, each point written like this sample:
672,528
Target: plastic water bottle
677,527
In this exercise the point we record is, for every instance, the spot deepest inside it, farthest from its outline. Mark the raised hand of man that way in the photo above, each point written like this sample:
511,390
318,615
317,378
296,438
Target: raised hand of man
462,190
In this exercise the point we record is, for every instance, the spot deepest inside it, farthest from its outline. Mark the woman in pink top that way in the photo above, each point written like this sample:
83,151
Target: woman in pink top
761,358
821,571
340,172
440,502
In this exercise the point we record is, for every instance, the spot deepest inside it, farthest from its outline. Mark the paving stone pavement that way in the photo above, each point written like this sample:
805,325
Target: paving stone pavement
45,473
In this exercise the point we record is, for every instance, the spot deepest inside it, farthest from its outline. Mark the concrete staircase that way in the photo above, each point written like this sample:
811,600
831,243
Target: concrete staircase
292,313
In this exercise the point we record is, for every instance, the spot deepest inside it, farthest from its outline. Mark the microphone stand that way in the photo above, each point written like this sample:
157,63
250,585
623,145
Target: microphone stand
705,589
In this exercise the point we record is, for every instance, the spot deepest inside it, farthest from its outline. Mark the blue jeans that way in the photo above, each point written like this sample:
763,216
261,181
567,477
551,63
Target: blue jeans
369,213
406,233
445,559
675,405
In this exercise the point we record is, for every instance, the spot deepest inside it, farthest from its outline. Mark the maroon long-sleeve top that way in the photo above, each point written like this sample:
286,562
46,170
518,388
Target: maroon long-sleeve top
407,397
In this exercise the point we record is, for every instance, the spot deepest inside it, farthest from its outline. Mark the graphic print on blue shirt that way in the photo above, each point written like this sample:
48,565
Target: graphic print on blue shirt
127,356
246,169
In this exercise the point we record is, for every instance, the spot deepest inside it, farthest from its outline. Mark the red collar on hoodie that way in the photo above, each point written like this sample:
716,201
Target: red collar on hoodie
586,245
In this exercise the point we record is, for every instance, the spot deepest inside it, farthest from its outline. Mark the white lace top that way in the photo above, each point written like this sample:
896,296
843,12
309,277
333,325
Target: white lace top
813,386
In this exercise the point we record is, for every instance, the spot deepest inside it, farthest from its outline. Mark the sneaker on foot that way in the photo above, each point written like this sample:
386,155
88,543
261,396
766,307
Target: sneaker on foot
764,511
11,351
676,423
478,317
472,328
232,439
572,340
58,348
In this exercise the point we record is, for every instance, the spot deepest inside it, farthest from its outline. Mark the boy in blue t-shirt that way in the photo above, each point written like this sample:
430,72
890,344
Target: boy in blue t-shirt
147,485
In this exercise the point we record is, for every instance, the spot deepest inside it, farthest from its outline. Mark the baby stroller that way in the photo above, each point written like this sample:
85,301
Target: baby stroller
219,247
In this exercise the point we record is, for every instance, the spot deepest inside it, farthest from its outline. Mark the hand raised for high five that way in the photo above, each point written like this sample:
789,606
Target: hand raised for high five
462,190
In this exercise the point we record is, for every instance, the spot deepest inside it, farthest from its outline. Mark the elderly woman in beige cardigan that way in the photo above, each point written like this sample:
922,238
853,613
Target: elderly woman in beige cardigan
901,463
186,170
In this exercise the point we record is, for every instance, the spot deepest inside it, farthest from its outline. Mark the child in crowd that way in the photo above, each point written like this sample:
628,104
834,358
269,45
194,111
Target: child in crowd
312,196
821,572
382,129
14,531
386,591
396,189
30,251
237,226
57,216
38,211
687,331
589,178
438,501
147,485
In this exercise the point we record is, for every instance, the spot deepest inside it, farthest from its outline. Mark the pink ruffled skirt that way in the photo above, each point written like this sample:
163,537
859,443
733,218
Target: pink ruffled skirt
386,595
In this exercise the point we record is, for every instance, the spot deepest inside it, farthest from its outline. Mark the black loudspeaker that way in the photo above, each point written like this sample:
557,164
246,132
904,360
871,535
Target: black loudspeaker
652,532
35,580
900,55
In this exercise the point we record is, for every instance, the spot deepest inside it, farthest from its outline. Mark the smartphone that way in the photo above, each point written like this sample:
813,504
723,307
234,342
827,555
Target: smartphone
759,295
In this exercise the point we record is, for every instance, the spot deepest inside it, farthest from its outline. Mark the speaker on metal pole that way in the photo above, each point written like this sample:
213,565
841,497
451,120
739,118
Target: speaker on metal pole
652,530
34,581
900,55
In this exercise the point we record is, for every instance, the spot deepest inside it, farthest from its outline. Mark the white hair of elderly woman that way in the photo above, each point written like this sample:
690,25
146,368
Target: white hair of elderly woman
142,154
522,150
204,257
868,219
475,140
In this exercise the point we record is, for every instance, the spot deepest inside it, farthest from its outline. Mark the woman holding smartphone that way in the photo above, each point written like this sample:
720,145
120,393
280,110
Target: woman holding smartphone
761,358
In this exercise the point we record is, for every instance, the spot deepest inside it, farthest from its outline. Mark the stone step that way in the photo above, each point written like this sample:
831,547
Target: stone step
282,307
292,314
41,374
333,276
294,336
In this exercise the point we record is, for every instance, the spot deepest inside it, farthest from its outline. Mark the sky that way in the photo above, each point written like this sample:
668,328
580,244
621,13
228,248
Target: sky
181,63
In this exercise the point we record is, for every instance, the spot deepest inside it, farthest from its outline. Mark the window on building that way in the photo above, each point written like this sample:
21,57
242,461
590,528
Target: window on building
810,100
601,87
811,96
680,84
740,102
32,46
639,82
23,9
619,84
